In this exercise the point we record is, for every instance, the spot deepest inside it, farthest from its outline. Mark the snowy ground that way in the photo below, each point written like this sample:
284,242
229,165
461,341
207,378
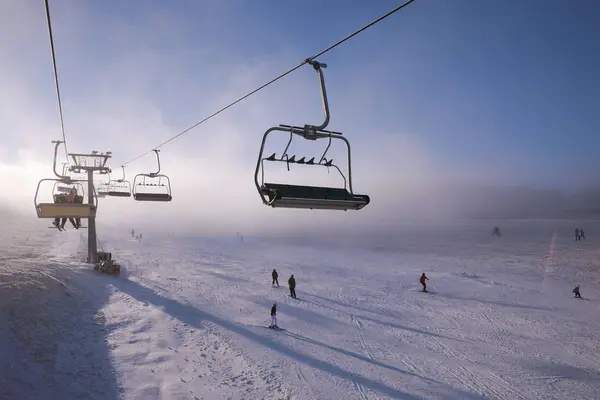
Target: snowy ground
187,319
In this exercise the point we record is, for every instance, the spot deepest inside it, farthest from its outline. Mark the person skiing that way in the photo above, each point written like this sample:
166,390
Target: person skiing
274,316
576,291
292,284
496,231
275,275
582,234
422,279
577,234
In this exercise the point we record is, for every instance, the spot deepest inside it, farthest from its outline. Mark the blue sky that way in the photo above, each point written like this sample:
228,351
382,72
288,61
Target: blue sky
496,92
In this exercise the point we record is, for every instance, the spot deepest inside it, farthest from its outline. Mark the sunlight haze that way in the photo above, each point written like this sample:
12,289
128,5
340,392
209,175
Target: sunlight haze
444,103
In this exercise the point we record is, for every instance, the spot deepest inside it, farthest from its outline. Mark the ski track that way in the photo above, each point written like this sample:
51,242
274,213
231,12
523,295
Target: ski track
187,318
362,391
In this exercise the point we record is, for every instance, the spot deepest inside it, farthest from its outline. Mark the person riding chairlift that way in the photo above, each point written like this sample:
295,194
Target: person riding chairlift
71,198
58,198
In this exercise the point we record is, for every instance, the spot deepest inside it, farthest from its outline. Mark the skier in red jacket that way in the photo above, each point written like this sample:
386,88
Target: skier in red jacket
422,280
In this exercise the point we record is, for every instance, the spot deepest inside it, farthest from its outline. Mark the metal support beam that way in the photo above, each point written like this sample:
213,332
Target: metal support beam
92,243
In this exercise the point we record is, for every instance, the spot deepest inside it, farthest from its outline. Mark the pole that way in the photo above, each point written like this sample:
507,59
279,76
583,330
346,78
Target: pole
92,243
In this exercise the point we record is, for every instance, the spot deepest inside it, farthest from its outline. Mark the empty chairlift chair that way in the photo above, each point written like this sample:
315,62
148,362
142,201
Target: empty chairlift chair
153,186
119,187
279,195
103,189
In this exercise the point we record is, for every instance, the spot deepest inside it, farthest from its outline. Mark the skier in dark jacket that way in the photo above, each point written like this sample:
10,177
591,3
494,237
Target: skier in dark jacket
275,275
576,291
292,283
274,316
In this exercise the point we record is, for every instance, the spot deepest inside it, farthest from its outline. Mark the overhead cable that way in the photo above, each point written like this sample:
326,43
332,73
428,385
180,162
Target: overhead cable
274,80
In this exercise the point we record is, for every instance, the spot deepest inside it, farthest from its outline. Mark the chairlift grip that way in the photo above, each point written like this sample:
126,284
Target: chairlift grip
298,130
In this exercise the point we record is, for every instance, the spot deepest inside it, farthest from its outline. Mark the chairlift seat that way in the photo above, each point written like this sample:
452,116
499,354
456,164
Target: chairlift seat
65,210
152,197
113,193
313,197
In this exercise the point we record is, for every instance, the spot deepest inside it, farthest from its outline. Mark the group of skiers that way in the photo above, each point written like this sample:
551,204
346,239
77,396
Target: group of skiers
292,286
72,197
291,282
579,235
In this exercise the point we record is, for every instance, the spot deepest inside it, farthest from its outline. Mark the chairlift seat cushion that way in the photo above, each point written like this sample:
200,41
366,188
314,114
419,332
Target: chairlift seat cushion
313,197
119,194
65,210
152,197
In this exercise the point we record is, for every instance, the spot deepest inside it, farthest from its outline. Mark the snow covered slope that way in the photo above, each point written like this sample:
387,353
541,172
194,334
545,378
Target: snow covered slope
187,320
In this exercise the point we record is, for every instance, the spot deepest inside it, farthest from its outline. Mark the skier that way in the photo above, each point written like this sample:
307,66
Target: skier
274,275
274,316
576,291
71,199
292,283
422,279
577,234
496,231
582,234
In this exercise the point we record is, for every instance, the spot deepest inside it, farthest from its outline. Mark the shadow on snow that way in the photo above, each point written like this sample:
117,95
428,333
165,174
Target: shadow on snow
194,317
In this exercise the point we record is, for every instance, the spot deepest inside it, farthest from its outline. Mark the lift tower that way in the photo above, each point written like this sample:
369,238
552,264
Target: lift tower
90,163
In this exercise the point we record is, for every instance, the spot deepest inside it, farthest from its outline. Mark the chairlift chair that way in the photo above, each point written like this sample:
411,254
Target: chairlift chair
103,188
63,210
154,190
119,187
309,197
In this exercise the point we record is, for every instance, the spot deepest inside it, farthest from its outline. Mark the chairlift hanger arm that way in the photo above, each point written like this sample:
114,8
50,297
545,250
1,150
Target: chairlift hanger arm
157,162
319,68
123,170
63,178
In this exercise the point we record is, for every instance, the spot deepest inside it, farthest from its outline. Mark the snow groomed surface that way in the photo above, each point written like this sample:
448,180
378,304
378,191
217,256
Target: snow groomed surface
187,319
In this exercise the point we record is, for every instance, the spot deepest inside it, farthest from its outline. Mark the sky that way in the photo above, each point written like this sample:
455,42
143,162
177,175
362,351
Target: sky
440,94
